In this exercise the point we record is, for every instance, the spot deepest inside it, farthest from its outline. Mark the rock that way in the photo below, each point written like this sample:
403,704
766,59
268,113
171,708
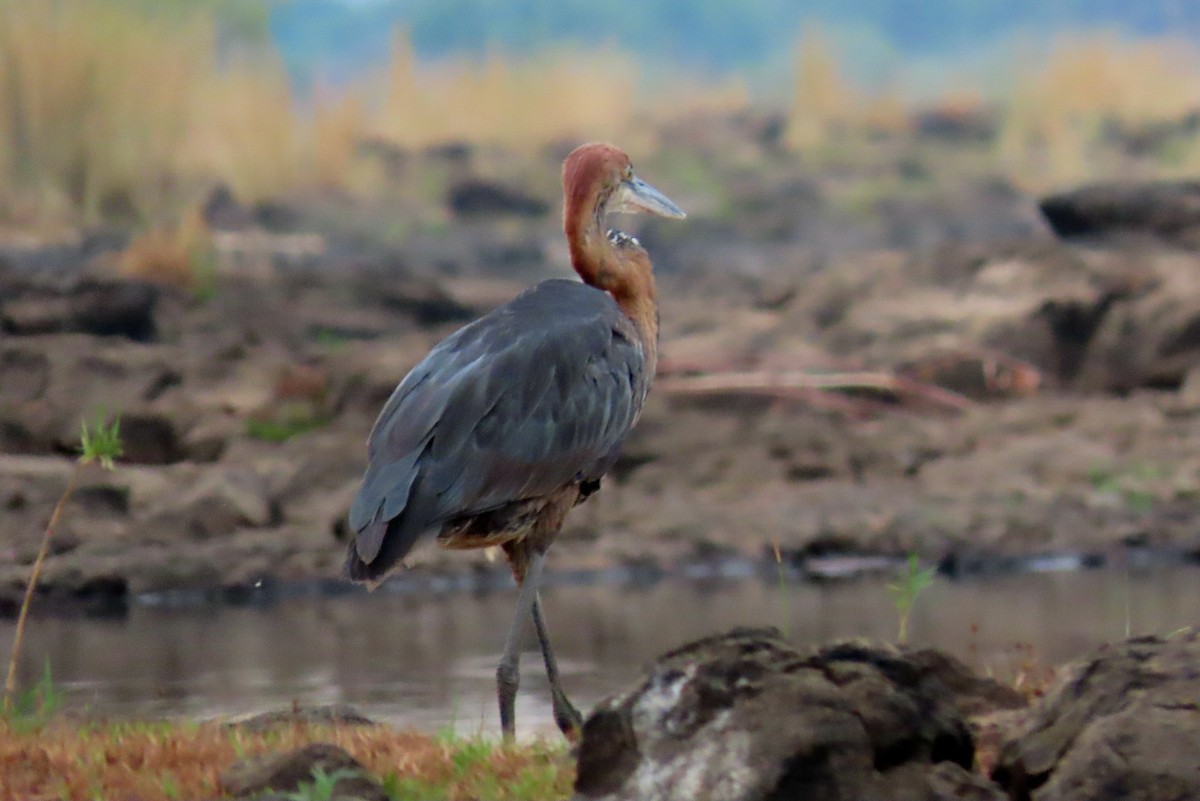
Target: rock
51,383
977,375
90,306
1123,723
1153,137
479,198
221,500
424,300
957,123
1166,210
207,440
222,211
744,715
455,152
284,774
973,694
327,715
26,375
150,438
276,216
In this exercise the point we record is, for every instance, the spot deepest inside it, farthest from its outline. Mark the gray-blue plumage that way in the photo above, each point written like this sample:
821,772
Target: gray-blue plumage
536,395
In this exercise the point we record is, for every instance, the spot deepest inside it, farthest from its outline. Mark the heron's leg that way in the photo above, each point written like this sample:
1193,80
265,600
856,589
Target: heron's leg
508,673
569,721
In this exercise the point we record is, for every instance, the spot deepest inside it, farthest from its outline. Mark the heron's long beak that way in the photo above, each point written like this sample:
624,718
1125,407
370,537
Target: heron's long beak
636,195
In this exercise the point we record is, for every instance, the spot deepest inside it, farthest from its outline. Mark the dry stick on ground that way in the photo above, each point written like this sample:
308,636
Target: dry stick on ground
98,443
790,382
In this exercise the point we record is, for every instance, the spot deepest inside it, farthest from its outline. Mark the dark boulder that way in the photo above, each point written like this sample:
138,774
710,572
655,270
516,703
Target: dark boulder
222,211
89,306
951,123
1166,210
426,301
323,715
1122,724
478,198
285,776
745,715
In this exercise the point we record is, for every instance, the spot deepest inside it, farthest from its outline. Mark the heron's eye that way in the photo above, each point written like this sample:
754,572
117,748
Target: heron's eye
629,172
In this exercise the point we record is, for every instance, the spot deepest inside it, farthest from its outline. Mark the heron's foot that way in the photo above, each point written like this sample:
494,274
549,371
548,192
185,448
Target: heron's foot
568,718
508,678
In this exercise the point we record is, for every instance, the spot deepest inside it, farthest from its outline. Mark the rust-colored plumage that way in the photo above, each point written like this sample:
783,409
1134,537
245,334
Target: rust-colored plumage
513,420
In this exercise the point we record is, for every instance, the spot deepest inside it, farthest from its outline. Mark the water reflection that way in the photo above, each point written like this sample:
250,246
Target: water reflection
429,662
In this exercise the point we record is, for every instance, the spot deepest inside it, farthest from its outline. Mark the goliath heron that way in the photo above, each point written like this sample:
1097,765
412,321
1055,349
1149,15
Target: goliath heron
512,420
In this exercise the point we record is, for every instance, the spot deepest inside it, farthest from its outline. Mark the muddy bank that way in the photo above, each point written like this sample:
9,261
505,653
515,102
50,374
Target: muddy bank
1048,405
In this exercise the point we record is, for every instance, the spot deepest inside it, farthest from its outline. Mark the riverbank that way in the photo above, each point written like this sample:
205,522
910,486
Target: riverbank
743,714
158,761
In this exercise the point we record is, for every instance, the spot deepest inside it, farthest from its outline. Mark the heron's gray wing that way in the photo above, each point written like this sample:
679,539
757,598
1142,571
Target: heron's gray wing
539,393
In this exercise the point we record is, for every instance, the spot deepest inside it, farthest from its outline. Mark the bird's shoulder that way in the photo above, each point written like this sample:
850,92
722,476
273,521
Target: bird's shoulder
552,334
553,321
554,305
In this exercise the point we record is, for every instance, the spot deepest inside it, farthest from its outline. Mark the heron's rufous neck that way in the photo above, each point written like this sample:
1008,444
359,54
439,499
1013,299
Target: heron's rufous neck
624,273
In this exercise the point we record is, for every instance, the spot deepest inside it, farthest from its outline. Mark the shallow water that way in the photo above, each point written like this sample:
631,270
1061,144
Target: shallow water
429,661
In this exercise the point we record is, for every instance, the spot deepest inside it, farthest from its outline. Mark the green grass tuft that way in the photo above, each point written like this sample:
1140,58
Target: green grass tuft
290,421
322,787
912,582
100,442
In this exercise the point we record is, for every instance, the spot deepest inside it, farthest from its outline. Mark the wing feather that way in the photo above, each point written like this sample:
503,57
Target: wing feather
537,394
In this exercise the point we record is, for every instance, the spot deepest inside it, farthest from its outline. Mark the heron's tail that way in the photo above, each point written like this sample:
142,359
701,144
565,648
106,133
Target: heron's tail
358,570
395,539
380,519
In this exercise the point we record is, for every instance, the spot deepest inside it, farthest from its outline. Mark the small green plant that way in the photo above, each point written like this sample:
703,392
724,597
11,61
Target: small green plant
407,788
474,773
322,786
448,733
912,583
289,422
205,274
99,442
32,707
471,752
330,339
169,786
784,624
1128,485
1103,479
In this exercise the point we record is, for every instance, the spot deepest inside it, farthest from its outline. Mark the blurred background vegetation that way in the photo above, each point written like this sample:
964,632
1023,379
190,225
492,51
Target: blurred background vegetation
124,111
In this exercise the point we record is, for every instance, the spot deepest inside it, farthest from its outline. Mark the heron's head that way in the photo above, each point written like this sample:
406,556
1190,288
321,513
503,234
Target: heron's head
599,178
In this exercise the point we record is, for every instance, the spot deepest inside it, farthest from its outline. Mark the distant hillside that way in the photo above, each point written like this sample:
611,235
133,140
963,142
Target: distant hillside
339,37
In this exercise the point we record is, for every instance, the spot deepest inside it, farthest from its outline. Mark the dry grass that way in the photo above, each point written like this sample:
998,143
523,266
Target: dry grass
827,107
109,113
824,102
165,761
105,111
102,107
513,102
244,131
179,255
90,97
1062,105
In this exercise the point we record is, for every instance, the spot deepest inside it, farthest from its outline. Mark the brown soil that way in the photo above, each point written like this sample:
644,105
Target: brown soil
1076,431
